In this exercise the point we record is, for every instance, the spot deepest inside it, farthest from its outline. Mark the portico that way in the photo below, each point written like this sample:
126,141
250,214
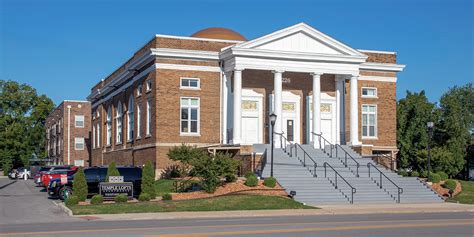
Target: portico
297,49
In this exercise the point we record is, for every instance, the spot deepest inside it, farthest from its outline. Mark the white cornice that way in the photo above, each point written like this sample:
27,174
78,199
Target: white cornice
198,38
377,78
382,67
187,67
185,54
376,51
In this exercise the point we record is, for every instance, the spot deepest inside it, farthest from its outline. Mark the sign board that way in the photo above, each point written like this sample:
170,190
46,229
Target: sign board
79,163
110,190
63,179
115,179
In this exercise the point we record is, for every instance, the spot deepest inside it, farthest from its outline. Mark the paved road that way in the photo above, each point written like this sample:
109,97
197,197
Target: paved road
43,218
22,202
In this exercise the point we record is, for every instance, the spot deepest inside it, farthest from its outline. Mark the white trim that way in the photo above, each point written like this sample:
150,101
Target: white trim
369,96
77,101
148,85
189,87
197,38
382,67
377,78
187,67
376,51
375,137
251,95
198,132
76,119
76,139
185,54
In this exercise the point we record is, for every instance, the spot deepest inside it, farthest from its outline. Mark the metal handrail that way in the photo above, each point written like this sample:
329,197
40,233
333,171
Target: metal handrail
353,190
305,154
282,138
324,143
346,154
379,156
400,190
263,162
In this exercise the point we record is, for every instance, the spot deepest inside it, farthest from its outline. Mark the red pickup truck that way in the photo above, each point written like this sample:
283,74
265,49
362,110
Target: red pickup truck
38,178
56,174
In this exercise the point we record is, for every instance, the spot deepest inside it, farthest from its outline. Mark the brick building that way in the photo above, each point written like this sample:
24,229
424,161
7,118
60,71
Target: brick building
68,133
216,87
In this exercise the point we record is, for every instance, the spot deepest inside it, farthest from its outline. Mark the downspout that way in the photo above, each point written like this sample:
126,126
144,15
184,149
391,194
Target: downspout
68,134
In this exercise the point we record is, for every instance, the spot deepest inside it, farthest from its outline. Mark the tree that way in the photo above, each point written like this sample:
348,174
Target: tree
22,117
79,185
413,112
212,168
148,180
112,171
184,155
457,119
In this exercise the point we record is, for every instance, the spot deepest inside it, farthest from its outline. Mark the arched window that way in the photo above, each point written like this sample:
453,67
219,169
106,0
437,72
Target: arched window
109,126
118,123
130,119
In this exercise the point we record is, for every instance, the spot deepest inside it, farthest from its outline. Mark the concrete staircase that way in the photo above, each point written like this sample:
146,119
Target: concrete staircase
320,188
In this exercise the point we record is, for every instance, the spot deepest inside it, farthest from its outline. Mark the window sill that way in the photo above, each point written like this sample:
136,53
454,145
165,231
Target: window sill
148,91
148,136
190,134
190,88
369,97
138,138
118,143
130,141
370,138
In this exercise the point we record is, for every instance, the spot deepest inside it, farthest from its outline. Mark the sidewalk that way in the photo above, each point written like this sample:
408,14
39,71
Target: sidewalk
325,210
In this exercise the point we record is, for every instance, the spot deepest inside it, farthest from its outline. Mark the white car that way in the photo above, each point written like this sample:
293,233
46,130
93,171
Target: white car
22,172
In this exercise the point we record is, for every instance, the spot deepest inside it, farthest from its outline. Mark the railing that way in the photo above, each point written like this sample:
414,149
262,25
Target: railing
386,160
305,157
346,155
336,174
283,141
263,161
380,184
323,142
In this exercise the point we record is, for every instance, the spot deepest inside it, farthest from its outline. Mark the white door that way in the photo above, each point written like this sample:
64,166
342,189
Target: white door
326,129
291,116
328,115
250,130
252,121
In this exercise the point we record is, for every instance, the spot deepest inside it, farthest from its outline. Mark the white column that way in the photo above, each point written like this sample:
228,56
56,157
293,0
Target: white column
237,130
339,107
354,110
225,95
316,108
277,107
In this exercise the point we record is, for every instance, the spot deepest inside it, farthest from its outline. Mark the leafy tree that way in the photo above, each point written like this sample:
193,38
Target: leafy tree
413,112
22,117
79,185
441,160
112,171
148,180
212,168
184,155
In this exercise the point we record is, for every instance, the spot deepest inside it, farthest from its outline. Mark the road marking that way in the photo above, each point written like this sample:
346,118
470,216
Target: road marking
295,230
223,226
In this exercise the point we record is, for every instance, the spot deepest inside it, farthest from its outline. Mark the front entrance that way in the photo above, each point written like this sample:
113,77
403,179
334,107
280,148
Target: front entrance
291,116
252,120
328,118
290,129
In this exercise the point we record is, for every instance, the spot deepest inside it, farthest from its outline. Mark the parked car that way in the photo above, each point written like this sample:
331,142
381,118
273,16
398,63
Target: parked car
56,174
22,172
41,171
13,174
41,177
94,176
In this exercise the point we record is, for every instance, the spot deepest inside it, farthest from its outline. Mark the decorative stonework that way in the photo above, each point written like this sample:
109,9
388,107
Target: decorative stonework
288,107
249,105
325,108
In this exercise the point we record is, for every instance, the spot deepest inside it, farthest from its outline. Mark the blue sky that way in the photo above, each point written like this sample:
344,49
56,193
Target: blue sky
63,48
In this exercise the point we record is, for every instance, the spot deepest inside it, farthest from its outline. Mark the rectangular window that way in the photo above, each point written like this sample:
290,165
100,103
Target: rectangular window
79,121
98,136
148,85
369,92
93,137
369,121
148,117
139,120
79,143
190,83
190,116
139,90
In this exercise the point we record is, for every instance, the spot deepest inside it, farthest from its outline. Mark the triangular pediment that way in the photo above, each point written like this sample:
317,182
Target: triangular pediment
300,38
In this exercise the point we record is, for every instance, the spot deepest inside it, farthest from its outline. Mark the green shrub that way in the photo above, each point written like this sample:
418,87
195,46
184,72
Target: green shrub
424,174
144,197
230,178
248,174
79,185
251,181
121,198
112,171
443,176
403,173
148,180
97,199
167,197
415,174
174,171
450,184
72,200
270,182
435,178
212,168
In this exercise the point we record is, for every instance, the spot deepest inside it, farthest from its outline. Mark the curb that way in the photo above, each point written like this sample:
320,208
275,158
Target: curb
63,208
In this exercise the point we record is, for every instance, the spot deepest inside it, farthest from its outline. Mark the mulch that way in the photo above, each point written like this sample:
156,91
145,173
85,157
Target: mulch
438,187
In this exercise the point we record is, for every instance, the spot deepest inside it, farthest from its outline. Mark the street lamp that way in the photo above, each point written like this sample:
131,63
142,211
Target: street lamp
430,126
273,118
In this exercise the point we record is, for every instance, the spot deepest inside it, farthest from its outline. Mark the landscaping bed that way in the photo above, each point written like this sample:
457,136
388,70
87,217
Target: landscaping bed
466,196
223,203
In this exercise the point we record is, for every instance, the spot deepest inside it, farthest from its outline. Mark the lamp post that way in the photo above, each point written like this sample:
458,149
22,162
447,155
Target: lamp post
273,118
430,126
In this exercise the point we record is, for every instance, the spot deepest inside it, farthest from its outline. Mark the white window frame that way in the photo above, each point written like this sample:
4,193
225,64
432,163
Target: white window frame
139,90
139,118
76,119
375,136
148,117
369,96
93,137
148,85
109,126
198,106
130,119
119,123
198,87
79,140
98,136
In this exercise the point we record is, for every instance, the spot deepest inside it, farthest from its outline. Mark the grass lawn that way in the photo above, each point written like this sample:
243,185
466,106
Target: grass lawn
163,186
226,203
467,194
